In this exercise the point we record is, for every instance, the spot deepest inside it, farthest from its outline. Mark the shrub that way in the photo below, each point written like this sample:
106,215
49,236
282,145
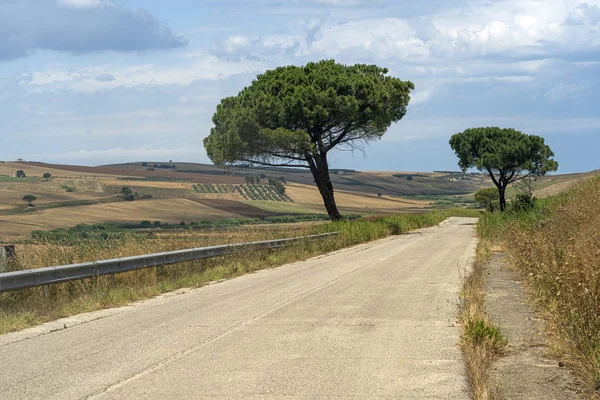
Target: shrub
522,202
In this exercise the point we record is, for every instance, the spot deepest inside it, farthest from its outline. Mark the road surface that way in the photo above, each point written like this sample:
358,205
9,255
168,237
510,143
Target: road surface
374,321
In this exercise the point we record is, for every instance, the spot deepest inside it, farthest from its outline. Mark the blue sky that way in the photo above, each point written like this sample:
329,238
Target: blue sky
102,81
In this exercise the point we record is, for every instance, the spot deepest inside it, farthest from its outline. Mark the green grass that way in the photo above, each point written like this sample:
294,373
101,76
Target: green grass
27,179
279,207
480,331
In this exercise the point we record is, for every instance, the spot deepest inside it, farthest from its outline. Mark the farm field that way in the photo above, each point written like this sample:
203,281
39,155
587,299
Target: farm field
352,202
164,210
199,192
137,170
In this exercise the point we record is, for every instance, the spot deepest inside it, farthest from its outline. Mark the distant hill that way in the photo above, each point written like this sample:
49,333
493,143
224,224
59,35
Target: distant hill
386,183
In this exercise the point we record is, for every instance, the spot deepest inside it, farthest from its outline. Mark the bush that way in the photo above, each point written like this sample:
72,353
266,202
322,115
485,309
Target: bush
479,332
522,202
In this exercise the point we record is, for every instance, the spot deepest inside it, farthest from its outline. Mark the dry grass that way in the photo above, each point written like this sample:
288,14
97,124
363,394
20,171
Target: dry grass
309,197
30,307
39,170
167,210
556,247
481,341
12,198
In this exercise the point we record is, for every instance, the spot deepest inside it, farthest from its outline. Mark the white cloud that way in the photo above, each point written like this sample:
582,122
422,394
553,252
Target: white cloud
118,154
86,3
199,67
564,91
506,29
78,27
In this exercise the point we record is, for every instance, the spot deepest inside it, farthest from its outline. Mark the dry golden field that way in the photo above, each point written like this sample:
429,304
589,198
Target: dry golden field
309,197
175,201
164,210
38,170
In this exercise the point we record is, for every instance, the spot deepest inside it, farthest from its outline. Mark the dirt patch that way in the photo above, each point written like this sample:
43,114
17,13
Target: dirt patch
236,207
525,371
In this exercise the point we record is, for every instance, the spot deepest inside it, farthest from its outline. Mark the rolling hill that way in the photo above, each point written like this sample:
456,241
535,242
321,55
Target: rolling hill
188,192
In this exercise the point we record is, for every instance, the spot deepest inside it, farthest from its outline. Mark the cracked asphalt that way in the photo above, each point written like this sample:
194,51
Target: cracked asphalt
373,321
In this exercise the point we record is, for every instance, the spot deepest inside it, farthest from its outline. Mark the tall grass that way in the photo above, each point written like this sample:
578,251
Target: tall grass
481,340
556,247
33,306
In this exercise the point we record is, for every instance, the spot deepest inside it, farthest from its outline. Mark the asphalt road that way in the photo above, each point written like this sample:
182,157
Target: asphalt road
374,321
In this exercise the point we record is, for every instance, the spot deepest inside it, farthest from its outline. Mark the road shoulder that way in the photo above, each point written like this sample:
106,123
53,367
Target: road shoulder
525,371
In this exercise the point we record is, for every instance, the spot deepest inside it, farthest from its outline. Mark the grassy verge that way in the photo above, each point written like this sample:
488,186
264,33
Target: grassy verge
30,307
556,247
481,340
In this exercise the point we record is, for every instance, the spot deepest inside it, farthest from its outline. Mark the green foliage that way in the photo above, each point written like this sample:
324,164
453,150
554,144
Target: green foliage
504,151
276,183
290,111
479,332
47,175
487,197
29,198
21,174
522,202
293,116
506,154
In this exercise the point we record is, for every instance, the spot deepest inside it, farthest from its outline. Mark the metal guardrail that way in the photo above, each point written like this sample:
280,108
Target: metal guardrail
50,275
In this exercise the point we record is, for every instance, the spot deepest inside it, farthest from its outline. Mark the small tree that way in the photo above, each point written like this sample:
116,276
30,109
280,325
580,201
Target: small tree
249,180
506,154
276,183
47,175
29,198
144,164
379,194
20,174
487,197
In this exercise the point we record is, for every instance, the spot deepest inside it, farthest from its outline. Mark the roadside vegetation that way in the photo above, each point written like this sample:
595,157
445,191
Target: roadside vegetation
111,231
555,245
30,307
481,340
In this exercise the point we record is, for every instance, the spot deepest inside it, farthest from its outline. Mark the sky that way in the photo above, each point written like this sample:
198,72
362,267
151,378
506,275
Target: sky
93,82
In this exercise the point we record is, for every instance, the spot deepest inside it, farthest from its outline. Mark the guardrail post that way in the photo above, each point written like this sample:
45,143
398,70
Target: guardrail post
7,256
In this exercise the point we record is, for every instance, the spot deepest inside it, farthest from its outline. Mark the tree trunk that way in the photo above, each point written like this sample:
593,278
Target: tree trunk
501,191
320,171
